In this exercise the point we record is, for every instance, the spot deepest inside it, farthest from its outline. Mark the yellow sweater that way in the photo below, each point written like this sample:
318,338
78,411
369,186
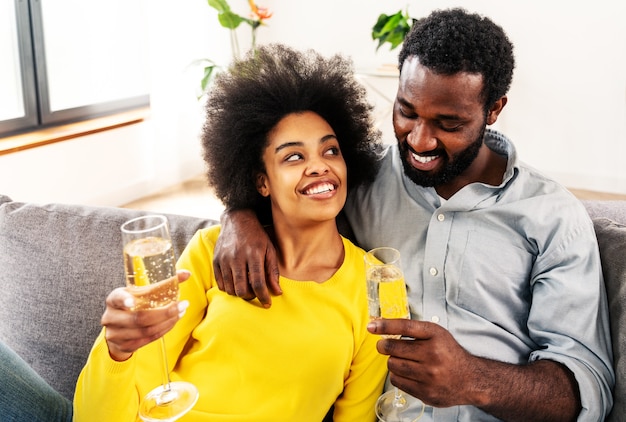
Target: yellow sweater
287,363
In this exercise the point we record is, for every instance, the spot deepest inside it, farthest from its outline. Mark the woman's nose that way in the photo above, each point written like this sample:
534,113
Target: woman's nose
316,166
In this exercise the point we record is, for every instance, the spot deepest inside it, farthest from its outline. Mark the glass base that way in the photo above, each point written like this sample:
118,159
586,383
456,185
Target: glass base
168,405
404,408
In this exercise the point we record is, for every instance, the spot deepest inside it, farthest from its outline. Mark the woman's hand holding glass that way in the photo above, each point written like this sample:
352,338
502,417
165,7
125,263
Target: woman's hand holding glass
128,330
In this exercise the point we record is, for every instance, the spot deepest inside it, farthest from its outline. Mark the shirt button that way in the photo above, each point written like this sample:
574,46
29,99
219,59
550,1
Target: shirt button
435,319
433,271
441,217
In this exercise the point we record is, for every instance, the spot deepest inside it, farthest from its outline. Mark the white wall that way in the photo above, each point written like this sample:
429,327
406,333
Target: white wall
567,105
566,110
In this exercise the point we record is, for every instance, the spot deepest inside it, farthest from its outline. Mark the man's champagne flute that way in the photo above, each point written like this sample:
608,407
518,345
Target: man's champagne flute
151,278
387,298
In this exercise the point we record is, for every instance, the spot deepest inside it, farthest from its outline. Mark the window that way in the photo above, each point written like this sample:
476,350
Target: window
70,60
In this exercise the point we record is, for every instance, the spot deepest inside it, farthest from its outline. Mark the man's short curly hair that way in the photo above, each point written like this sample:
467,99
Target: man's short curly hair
453,40
255,93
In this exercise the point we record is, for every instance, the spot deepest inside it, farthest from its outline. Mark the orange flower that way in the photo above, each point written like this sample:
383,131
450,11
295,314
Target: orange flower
260,12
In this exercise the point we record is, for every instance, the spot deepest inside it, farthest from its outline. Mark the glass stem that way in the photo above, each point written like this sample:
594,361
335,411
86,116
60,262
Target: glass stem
166,374
398,398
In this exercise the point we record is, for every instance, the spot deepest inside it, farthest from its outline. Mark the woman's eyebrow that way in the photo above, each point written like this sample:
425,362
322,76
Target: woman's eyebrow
288,144
282,146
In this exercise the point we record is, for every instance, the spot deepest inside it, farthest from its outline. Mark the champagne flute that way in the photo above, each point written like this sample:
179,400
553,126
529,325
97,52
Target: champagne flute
151,278
387,298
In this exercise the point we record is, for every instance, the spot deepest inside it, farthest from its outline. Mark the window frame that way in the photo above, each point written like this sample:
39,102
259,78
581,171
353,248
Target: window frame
34,79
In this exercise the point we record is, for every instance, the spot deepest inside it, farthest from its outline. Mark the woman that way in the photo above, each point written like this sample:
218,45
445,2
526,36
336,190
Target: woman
286,133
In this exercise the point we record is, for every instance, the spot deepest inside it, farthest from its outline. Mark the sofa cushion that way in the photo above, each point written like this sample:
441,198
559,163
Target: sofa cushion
612,242
59,262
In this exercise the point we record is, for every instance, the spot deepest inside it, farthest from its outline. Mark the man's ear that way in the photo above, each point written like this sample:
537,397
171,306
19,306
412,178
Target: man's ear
496,108
261,184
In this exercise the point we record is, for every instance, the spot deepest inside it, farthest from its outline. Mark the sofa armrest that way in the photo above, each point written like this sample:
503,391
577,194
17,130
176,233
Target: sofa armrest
612,242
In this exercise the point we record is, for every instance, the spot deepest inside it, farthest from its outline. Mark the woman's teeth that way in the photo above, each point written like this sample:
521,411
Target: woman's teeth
324,187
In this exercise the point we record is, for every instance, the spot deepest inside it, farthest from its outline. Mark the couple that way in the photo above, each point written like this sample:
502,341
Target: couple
510,319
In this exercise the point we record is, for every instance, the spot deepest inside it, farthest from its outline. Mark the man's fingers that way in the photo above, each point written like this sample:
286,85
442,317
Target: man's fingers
421,330
229,284
217,270
388,326
241,284
272,273
259,286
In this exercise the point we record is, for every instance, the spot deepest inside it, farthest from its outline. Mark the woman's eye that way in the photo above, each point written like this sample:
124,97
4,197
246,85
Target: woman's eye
293,157
332,151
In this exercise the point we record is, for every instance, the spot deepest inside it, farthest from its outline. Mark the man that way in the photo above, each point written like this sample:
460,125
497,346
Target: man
509,314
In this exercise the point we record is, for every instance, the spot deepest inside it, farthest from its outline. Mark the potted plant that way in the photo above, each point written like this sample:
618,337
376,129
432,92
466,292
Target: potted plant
230,20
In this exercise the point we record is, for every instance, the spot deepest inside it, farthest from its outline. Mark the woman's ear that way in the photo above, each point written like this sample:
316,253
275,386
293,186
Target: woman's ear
261,184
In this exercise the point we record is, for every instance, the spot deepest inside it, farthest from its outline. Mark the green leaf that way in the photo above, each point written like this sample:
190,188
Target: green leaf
220,5
225,16
209,73
230,20
391,29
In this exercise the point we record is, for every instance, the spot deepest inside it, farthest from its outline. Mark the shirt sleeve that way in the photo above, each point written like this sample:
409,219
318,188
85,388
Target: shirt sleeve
569,318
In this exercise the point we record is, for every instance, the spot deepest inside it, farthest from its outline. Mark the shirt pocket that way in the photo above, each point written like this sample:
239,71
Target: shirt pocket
494,279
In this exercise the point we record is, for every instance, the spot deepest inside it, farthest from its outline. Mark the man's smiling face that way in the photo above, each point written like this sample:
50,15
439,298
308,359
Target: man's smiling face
439,121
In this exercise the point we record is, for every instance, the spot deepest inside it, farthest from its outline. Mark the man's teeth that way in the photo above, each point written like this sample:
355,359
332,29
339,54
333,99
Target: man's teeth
324,187
422,159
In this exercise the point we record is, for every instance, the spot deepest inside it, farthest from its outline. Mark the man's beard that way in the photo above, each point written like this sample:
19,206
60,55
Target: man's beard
452,168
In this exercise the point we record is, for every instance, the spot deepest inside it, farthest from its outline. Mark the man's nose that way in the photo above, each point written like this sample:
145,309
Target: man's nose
421,137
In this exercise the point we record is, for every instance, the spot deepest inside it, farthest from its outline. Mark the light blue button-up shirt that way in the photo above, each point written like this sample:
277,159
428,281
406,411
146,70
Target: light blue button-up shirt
512,271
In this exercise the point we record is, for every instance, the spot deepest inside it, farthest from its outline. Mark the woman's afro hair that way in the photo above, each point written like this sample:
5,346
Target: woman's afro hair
255,93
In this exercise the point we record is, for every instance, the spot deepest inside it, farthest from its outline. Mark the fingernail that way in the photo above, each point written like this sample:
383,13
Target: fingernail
185,272
129,302
182,308
371,326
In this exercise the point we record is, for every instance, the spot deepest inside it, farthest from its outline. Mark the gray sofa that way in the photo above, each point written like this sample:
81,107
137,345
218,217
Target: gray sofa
58,262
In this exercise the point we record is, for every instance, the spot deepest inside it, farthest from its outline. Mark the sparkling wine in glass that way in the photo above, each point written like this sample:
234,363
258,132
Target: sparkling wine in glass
387,298
151,278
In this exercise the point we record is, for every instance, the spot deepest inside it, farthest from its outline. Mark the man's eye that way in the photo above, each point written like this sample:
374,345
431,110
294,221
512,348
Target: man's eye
407,113
451,127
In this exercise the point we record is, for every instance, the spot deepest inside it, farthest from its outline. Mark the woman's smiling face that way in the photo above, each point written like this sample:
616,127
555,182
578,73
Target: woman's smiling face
305,174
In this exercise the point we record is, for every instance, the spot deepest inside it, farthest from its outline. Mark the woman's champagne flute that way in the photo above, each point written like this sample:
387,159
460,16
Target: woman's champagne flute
387,298
151,278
